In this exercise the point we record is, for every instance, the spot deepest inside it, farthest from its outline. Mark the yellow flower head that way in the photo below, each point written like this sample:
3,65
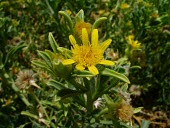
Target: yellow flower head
124,6
80,25
68,12
133,43
87,55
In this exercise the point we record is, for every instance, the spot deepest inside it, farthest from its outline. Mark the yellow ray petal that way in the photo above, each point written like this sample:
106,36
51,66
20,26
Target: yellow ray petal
105,44
68,61
93,70
94,38
73,41
80,67
130,39
107,62
85,38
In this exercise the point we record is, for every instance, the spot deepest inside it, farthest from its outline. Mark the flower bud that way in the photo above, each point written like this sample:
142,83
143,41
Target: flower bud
61,70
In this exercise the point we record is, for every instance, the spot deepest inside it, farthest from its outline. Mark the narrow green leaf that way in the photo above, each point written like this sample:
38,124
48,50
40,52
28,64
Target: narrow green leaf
145,124
136,110
51,103
77,85
41,65
46,58
64,93
80,16
138,67
57,85
50,54
107,122
53,43
98,22
112,73
49,7
29,115
1,64
83,73
24,125
65,52
124,87
68,19
13,50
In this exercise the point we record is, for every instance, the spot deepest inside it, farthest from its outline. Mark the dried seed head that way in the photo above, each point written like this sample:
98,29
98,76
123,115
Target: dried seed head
25,79
124,112
135,90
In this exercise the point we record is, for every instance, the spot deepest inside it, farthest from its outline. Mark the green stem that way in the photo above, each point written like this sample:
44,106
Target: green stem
89,102
43,109
27,103
74,122
77,85
89,105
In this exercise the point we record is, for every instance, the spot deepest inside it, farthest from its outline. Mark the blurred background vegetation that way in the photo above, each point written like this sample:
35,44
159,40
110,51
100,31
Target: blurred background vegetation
24,29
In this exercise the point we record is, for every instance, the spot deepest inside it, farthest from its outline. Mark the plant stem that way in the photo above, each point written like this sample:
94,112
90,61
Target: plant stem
89,105
89,102
38,101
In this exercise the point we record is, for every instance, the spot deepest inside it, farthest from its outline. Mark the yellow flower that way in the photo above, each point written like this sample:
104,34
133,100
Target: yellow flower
133,43
80,25
88,55
124,6
68,12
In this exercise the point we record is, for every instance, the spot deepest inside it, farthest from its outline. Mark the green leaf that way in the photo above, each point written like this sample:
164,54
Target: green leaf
124,87
65,52
68,19
106,122
64,93
145,124
46,58
50,54
46,122
1,64
12,51
98,22
138,67
83,73
24,125
29,115
136,110
42,65
39,64
80,16
57,85
112,73
55,104
77,85
49,7
53,43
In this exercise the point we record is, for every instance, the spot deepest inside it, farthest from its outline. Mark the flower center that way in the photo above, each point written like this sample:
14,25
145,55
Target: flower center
87,56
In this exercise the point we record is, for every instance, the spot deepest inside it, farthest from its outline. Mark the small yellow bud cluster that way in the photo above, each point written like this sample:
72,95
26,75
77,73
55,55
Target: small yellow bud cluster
80,25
